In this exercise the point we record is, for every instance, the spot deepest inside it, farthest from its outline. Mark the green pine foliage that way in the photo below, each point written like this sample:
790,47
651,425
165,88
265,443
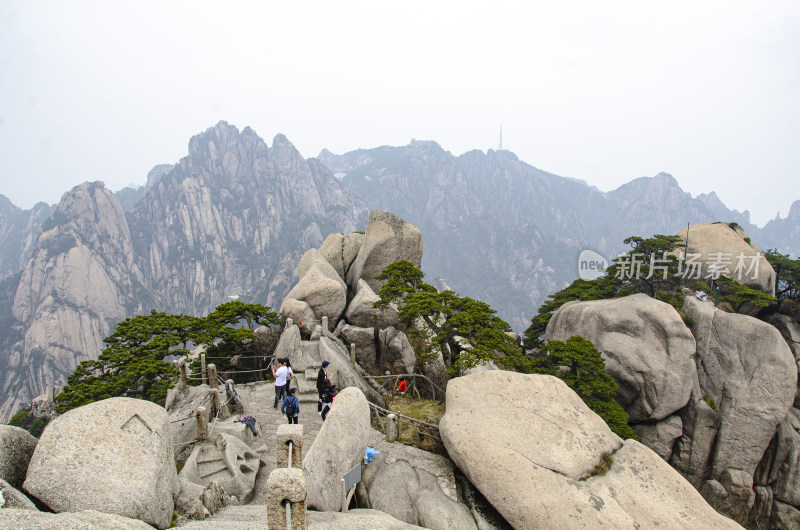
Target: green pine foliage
464,331
579,364
787,275
25,420
132,363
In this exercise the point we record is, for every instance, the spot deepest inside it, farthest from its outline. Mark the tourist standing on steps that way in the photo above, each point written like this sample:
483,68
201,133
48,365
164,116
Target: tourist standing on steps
289,376
321,377
280,381
328,393
291,406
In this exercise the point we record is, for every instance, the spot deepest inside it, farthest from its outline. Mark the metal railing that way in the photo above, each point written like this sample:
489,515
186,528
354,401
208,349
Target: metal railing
421,429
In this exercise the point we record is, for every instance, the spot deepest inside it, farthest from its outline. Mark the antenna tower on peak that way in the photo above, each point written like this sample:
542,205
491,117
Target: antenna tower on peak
500,146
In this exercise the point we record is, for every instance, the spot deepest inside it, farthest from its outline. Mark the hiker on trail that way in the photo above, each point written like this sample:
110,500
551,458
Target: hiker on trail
280,381
291,406
328,393
290,375
321,377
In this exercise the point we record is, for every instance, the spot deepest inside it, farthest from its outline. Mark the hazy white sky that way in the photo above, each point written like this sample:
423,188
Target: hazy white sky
602,91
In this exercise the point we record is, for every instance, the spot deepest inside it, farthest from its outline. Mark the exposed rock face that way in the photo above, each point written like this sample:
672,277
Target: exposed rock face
387,239
528,461
647,348
720,246
661,436
338,447
118,451
341,250
20,518
343,372
18,231
356,520
227,461
361,312
396,353
320,287
364,339
411,495
80,281
746,368
16,450
10,497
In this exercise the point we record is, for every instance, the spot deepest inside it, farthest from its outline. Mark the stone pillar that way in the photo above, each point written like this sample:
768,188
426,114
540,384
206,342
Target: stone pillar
286,484
182,375
202,423
215,403
391,428
289,433
203,376
289,323
212,376
353,352
325,325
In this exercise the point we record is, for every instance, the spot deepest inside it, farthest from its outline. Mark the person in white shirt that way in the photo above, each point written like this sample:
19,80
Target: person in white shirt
280,382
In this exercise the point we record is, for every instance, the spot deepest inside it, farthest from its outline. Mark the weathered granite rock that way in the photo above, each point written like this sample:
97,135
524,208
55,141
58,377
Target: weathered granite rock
387,239
396,354
356,520
746,368
692,451
339,446
181,406
113,455
528,462
362,313
290,346
341,251
80,520
721,244
661,436
647,348
786,467
320,287
10,497
785,516
364,339
343,373
225,460
411,495
16,448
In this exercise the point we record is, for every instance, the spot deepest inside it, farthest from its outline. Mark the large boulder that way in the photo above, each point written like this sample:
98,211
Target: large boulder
661,436
112,455
387,239
748,372
81,520
362,313
341,251
16,449
364,339
396,353
320,287
10,497
411,495
339,446
728,251
647,348
537,459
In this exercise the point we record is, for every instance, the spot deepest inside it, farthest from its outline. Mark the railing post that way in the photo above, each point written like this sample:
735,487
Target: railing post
182,375
203,377
391,428
286,484
353,352
212,376
289,433
202,423
325,324
214,395
289,323
233,406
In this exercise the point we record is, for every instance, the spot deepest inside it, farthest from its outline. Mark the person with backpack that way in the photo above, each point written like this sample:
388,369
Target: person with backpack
291,406
322,375
328,393
280,382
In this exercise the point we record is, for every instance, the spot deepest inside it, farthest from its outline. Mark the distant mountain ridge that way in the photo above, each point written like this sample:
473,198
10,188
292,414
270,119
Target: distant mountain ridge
233,217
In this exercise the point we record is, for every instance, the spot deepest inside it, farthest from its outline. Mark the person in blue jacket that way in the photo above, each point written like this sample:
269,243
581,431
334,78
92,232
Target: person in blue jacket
291,406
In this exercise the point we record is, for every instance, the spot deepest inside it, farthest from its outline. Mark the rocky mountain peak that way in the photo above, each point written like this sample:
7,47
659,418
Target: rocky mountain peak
794,211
